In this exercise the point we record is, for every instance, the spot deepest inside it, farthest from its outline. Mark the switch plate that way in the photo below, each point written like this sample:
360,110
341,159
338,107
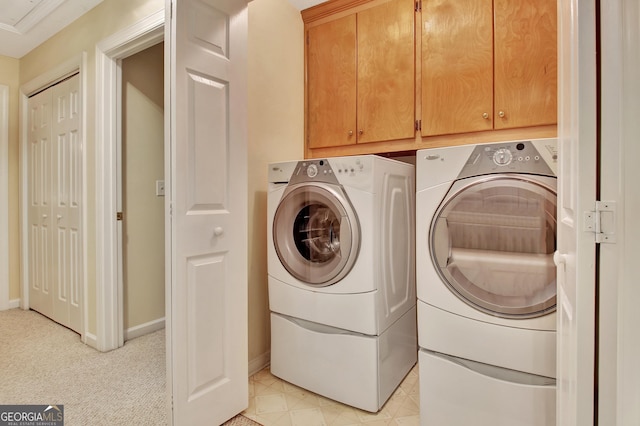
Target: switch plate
160,188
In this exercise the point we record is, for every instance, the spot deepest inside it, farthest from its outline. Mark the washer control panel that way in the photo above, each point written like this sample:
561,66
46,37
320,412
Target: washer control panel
313,171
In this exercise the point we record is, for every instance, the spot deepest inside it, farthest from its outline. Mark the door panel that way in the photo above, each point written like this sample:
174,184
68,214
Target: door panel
207,350
39,203
65,203
576,255
55,201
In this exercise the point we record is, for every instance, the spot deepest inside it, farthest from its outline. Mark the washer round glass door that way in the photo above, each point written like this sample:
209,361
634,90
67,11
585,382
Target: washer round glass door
492,241
316,233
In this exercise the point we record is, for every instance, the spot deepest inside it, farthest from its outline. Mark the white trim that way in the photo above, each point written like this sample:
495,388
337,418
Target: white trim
259,363
4,197
109,303
142,329
77,64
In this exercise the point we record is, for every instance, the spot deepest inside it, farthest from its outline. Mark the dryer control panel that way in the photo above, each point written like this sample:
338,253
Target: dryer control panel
508,157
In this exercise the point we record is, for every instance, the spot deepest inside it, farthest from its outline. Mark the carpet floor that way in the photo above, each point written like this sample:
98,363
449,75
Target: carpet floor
45,363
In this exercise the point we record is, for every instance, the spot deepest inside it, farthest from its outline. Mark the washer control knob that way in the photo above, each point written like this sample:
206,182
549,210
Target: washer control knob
502,157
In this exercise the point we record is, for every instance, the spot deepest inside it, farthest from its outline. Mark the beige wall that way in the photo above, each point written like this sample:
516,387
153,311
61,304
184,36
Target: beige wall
275,131
143,165
276,120
9,76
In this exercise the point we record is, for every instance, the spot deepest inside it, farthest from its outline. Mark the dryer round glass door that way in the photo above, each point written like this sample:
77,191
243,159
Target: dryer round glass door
316,233
492,241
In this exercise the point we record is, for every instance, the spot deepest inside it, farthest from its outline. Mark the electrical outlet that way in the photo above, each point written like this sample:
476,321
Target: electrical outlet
160,188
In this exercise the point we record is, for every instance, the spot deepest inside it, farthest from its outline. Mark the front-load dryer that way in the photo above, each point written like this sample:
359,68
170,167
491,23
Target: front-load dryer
341,266
486,282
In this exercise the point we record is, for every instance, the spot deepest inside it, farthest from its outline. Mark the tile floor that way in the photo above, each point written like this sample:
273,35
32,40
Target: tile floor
274,402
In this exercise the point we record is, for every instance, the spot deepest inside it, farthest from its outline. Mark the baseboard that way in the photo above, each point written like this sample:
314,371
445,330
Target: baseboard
259,363
15,303
90,340
142,329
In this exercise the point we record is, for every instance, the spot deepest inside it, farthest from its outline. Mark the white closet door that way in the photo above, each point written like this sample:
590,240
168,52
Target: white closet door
55,175
39,202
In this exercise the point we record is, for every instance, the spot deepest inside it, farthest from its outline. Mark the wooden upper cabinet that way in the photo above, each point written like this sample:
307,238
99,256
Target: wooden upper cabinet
331,83
457,66
487,65
360,75
525,63
386,72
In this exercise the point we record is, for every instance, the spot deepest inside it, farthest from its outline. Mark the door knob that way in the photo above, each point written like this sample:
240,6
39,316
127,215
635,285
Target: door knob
217,231
559,259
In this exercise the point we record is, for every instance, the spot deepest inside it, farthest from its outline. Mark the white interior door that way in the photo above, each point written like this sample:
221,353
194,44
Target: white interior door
207,234
55,199
576,256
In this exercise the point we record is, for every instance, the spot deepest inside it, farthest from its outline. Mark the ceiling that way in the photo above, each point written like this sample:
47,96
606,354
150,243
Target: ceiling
25,24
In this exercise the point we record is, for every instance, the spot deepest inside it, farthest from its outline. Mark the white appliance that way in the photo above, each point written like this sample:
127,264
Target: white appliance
341,265
486,283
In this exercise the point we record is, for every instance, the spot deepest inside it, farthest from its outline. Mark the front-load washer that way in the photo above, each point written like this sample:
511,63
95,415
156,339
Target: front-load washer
341,274
486,282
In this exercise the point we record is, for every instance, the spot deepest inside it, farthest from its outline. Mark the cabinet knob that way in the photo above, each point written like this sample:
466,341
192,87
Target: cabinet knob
501,114
218,231
350,132
360,131
485,115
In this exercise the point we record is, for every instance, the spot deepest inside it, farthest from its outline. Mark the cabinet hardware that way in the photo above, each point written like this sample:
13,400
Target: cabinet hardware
485,115
501,114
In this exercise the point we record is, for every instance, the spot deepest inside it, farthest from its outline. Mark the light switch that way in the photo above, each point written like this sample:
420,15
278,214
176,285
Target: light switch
160,188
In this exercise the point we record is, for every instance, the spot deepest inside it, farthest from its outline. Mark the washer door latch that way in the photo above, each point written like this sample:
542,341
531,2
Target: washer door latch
602,222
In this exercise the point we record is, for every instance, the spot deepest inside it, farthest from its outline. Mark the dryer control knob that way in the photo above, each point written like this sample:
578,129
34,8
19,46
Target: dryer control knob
502,157
312,170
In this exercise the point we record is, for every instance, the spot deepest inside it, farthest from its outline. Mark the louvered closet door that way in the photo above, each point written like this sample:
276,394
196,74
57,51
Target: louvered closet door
55,182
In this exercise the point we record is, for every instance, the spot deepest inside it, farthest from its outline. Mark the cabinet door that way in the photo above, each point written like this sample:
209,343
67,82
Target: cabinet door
331,83
386,72
525,63
457,66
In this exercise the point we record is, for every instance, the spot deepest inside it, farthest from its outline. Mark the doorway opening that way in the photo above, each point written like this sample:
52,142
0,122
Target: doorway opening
110,53
141,191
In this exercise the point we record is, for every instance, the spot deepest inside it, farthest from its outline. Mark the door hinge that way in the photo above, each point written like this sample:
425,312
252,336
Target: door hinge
119,215
418,5
418,125
602,222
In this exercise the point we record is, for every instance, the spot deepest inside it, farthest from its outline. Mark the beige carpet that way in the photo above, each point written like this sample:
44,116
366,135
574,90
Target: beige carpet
42,362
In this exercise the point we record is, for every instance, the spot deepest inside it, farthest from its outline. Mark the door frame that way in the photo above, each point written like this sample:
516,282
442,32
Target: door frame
4,197
109,284
77,64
